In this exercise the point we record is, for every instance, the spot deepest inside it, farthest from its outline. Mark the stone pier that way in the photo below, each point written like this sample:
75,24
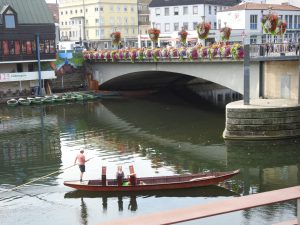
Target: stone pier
262,119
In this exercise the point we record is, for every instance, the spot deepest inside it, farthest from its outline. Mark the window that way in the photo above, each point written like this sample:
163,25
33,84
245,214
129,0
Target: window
176,12
125,8
176,26
186,25
101,9
157,11
195,10
118,8
209,9
296,22
253,39
215,25
185,10
195,25
10,21
253,22
290,24
61,13
167,12
167,27
215,9
96,9
105,45
96,21
158,26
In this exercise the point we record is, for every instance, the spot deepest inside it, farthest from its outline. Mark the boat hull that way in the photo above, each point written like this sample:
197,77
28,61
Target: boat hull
155,183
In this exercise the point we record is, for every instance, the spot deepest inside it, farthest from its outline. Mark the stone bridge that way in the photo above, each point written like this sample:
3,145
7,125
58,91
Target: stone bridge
142,75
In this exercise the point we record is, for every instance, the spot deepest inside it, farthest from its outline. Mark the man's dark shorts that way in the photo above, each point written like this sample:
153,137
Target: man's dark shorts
82,168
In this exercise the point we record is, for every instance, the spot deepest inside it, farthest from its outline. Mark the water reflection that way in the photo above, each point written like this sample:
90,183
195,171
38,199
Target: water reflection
28,137
209,191
84,213
267,165
157,138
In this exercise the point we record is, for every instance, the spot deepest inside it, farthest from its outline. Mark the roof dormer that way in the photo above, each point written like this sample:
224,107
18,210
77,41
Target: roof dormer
9,17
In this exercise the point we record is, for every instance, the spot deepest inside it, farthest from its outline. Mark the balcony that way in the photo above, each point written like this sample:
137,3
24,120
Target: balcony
144,11
24,57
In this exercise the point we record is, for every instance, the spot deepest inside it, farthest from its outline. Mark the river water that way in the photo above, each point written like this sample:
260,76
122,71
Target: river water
158,135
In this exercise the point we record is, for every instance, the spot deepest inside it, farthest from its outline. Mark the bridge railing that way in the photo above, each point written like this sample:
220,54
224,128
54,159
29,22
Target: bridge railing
216,208
273,49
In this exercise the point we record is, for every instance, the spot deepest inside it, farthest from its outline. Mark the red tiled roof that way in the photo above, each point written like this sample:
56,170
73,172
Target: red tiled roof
258,6
54,11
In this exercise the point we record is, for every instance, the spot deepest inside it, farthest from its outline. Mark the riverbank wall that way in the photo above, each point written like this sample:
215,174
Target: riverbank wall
262,119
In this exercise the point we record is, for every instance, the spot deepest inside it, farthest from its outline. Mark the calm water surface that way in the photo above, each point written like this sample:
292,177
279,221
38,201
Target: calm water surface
157,136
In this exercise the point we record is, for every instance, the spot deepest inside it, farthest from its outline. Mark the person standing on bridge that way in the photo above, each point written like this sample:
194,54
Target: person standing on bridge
81,162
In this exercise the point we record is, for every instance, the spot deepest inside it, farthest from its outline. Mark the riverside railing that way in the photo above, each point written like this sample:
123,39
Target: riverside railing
217,208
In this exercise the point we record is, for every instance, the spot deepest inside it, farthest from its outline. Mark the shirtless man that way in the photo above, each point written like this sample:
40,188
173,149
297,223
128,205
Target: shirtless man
81,162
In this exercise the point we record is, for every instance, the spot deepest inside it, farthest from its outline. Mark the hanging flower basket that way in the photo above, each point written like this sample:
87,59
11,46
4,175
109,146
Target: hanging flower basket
154,34
156,54
174,53
165,53
116,37
237,51
213,51
225,51
192,53
269,23
182,36
225,33
281,28
203,30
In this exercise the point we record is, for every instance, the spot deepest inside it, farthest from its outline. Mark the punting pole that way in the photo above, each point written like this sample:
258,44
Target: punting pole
39,178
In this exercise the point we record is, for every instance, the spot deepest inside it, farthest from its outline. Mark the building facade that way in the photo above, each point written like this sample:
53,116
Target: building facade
144,16
173,15
91,22
25,27
245,21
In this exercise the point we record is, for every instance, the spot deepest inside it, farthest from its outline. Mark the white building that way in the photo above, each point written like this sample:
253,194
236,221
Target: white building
172,15
289,2
245,21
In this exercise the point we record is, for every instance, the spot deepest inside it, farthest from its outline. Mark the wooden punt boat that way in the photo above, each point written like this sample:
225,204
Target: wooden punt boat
24,101
152,183
12,102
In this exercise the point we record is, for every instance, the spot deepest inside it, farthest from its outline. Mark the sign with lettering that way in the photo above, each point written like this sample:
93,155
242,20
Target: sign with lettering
22,76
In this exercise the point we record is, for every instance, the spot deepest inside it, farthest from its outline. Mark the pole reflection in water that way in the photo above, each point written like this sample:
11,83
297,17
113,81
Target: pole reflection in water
84,214
120,203
132,203
104,203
